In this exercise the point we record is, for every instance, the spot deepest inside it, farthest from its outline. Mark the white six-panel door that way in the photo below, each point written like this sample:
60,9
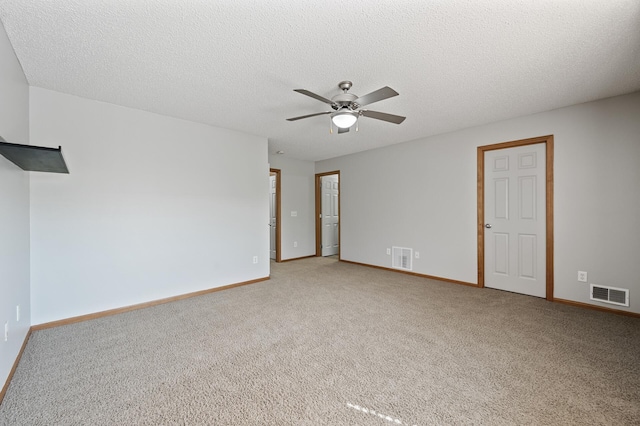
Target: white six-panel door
514,212
330,216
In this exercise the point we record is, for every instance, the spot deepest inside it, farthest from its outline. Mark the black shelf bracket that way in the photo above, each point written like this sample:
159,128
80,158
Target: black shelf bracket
34,158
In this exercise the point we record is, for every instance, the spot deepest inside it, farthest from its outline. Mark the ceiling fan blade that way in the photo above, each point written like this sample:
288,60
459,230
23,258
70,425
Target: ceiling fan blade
314,96
379,95
341,130
307,116
397,119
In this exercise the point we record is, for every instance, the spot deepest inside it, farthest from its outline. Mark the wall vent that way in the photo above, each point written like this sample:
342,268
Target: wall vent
613,295
402,258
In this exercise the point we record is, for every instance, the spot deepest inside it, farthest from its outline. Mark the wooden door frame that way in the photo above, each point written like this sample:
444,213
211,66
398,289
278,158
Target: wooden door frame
278,174
319,212
548,141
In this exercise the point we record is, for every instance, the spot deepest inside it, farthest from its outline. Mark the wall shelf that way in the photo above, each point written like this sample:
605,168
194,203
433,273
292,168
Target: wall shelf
35,158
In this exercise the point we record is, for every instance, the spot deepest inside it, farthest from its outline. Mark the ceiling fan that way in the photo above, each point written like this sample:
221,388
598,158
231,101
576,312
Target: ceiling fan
347,106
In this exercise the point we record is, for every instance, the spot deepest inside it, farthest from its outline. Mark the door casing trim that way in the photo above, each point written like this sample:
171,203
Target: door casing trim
548,141
319,211
278,174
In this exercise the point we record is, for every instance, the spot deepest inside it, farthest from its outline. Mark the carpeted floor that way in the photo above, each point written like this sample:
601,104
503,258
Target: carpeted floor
331,343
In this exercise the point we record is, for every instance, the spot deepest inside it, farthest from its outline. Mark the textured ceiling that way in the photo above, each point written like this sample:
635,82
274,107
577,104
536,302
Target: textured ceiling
234,64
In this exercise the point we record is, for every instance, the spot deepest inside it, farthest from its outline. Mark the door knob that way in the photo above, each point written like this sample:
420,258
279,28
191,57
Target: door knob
488,226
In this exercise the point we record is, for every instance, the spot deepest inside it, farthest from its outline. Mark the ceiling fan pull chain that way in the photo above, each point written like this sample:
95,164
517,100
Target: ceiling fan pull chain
330,126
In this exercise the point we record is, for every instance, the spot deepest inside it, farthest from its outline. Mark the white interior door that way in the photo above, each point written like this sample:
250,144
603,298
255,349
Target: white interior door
514,211
272,215
330,216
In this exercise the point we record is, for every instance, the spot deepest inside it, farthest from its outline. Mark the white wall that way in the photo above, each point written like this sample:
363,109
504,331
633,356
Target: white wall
153,207
14,209
422,194
297,194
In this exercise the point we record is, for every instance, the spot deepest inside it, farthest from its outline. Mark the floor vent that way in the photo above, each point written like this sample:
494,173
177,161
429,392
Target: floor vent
402,258
613,295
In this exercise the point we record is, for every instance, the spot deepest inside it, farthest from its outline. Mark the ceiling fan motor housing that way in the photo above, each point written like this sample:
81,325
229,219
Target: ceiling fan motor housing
344,100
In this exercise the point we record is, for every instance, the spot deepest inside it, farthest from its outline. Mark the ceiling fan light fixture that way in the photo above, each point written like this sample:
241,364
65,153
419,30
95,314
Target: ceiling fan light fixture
346,107
344,119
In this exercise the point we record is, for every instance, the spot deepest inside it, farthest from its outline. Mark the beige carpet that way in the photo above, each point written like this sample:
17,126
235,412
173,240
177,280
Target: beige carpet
330,343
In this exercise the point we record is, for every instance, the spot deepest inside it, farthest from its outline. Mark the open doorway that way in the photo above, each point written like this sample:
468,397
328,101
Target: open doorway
328,214
274,214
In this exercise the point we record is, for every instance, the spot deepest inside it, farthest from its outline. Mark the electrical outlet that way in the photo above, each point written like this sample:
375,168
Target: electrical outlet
295,244
389,251
17,313
582,276
417,255
6,331
255,259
